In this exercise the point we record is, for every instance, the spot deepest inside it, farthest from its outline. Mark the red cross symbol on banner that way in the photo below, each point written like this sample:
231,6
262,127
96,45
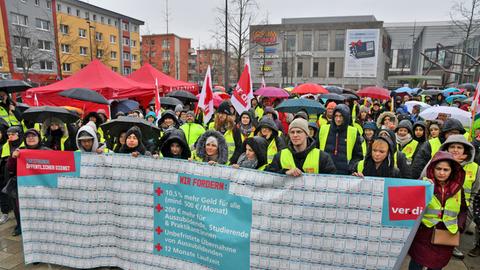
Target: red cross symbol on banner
159,191
158,247
159,208
158,230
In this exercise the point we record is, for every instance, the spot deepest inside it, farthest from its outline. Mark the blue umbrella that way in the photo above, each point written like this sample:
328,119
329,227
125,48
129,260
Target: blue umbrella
297,104
124,106
450,90
407,90
452,98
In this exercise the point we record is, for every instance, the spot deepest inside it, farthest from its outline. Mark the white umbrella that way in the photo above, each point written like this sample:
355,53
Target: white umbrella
411,104
452,112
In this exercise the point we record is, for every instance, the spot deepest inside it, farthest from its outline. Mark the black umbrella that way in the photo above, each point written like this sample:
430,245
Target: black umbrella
182,95
115,127
169,101
85,95
430,92
333,97
11,86
42,113
350,96
334,89
22,107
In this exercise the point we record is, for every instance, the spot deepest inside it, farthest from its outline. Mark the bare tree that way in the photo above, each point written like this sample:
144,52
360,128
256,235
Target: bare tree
148,48
68,44
466,18
241,14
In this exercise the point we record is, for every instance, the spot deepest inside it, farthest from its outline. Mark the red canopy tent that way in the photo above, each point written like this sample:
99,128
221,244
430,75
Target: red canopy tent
147,74
95,76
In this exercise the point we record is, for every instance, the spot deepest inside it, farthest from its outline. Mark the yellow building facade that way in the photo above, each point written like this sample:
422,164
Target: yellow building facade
4,60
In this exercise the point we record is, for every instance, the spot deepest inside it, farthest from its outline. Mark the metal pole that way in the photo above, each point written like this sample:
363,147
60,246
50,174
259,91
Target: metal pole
225,72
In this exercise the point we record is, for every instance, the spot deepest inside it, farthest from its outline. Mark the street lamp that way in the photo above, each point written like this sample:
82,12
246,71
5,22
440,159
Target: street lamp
90,39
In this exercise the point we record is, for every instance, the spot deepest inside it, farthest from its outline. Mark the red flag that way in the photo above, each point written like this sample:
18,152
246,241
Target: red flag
243,92
205,101
157,98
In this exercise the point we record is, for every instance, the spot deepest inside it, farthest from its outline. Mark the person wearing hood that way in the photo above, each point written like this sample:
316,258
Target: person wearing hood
400,160
134,144
192,130
151,117
327,116
405,141
313,128
379,161
168,121
301,155
254,154
363,116
98,121
446,211
270,112
175,145
341,140
267,129
87,140
55,134
225,123
387,120
244,129
420,132
211,148
429,148
376,110
369,133
31,140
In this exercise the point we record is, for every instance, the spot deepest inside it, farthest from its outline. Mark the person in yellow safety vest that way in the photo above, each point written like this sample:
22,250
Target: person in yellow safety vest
379,161
192,130
257,108
405,141
8,112
97,120
341,141
212,148
268,130
369,132
224,123
244,129
55,134
301,155
254,154
447,210
327,116
87,140
427,151
434,128
14,141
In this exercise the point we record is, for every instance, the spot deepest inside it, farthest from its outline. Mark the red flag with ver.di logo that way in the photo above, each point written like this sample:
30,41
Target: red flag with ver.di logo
243,93
205,102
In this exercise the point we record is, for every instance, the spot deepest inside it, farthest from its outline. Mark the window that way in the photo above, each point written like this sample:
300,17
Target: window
315,69
102,20
115,69
116,23
95,17
403,58
166,54
135,28
69,10
133,43
64,29
109,21
166,67
307,41
291,42
46,65
44,45
49,4
299,69
37,3
82,33
125,26
113,39
113,55
78,12
331,69
67,67
339,41
19,62
65,48
87,15
99,53
152,42
59,7
98,36
322,41
165,44
152,54
83,50
42,24
21,41
126,70
126,56
126,41
19,19
134,58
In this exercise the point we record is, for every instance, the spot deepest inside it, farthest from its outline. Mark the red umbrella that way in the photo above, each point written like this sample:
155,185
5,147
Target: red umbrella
374,92
309,88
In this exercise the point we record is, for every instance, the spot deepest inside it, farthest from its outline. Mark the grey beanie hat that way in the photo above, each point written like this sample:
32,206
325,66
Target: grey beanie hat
301,124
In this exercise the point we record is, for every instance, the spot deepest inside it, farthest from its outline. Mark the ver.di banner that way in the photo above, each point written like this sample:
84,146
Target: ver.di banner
144,213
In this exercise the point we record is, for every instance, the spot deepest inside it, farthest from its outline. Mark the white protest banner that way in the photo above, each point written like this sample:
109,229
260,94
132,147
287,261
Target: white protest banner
88,211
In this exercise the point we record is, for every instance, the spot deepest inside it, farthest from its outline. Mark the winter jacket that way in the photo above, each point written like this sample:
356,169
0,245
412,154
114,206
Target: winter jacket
424,154
400,158
91,131
58,139
278,123
336,142
326,165
259,146
140,147
386,169
422,250
168,114
200,152
192,132
175,136
392,116
98,123
422,139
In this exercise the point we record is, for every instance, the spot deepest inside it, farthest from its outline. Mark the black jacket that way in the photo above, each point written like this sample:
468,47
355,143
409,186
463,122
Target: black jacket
177,136
326,165
259,146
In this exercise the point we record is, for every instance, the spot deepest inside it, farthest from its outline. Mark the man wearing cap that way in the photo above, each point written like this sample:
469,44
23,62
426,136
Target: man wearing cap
192,130
301,155
327,117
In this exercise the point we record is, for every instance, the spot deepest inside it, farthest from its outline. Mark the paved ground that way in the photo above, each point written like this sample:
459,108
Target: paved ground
11,253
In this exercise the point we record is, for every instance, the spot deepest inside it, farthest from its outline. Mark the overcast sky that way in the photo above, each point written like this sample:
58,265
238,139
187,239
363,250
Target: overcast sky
195,19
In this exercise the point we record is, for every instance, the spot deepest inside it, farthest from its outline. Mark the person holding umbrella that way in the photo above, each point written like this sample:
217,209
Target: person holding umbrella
55,134
8,111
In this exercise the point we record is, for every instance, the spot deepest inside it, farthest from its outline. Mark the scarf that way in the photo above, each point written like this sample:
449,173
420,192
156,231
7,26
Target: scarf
210,158
404,140
244,162
246,130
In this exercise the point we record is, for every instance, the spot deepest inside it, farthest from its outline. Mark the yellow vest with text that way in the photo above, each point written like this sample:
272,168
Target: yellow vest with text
259,112
435,145
471,170
435,213
410,149
311,164
351,139
272,150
